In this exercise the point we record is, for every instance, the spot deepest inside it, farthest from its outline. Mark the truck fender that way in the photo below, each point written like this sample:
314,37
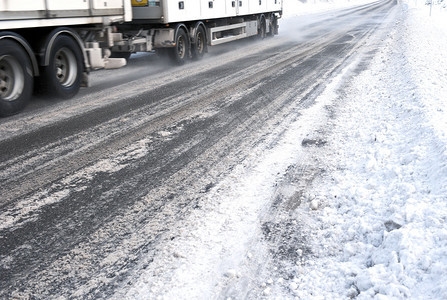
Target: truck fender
19,39
49,41
183,26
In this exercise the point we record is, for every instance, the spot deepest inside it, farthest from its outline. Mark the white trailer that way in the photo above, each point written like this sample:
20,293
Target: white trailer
53,44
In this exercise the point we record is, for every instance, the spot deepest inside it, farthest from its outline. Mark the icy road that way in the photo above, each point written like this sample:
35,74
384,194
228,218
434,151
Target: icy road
146,184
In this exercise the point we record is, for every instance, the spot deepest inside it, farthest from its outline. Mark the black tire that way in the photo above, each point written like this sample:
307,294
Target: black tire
272,26
16,80
62,77
262,29
179,54
200,44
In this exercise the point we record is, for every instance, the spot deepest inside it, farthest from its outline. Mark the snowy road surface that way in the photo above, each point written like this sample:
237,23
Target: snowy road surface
216,179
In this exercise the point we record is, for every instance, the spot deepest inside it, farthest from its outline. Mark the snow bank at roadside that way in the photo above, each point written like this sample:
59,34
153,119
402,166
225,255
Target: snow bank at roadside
384,200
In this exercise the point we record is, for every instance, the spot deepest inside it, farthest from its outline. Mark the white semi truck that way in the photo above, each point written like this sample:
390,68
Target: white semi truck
52,45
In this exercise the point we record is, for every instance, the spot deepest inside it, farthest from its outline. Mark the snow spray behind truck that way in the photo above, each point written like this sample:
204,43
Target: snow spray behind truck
54,44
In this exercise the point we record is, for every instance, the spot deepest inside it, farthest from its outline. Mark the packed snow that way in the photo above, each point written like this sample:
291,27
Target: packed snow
374,220
383,203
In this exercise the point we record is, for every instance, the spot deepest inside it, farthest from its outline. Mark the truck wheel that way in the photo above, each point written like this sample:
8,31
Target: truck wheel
271,26
62,77
199,48
16,81
179,53
262,29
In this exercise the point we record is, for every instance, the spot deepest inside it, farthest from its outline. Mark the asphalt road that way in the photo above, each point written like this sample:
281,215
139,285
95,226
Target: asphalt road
119,165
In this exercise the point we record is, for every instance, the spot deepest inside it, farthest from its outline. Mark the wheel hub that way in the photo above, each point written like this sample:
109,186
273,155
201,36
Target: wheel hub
12,79
5,80
66,67
181,47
